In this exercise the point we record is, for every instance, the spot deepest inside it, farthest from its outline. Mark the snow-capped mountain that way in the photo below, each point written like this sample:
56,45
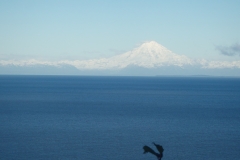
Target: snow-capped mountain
150,58
148,55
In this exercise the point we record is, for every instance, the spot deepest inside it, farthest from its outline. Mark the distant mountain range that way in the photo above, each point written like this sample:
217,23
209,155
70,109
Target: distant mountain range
150,58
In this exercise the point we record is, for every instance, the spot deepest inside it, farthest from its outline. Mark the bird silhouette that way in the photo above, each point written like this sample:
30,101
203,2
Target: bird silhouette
150,150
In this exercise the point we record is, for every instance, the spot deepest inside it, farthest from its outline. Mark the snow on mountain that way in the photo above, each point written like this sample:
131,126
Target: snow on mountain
148,55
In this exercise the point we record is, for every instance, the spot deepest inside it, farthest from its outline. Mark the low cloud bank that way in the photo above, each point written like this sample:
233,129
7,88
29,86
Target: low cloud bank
105,64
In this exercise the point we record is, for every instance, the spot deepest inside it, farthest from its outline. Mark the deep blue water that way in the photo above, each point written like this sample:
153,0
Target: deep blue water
106,118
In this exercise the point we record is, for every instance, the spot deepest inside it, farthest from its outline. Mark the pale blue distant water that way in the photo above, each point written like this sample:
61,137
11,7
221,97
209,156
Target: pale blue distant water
111,118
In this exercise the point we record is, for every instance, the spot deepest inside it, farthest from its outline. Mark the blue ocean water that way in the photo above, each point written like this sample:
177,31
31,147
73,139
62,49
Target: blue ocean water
105,118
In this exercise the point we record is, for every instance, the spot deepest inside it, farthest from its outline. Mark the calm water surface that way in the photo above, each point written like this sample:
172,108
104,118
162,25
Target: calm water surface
105,118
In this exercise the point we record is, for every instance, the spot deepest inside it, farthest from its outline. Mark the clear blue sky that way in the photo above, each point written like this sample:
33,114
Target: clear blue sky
75,29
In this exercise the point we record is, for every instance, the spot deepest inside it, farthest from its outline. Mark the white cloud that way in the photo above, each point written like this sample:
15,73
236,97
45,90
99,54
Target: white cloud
29,62
221,64
106,64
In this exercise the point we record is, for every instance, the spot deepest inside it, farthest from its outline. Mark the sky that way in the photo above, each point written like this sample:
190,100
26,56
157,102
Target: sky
81,30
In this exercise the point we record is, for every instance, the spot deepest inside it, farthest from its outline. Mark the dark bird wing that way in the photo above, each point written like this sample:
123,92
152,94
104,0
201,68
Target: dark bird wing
159,148
150,150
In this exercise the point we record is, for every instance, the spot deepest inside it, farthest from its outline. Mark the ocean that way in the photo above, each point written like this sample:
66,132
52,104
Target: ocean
106,118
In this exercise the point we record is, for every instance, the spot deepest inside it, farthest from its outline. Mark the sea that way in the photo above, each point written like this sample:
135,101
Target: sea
112,118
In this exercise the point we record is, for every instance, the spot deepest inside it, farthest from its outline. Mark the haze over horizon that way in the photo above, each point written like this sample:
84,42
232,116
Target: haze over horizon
105,38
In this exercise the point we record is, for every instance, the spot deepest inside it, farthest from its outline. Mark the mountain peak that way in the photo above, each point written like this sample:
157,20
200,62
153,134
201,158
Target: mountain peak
152,46
151,43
